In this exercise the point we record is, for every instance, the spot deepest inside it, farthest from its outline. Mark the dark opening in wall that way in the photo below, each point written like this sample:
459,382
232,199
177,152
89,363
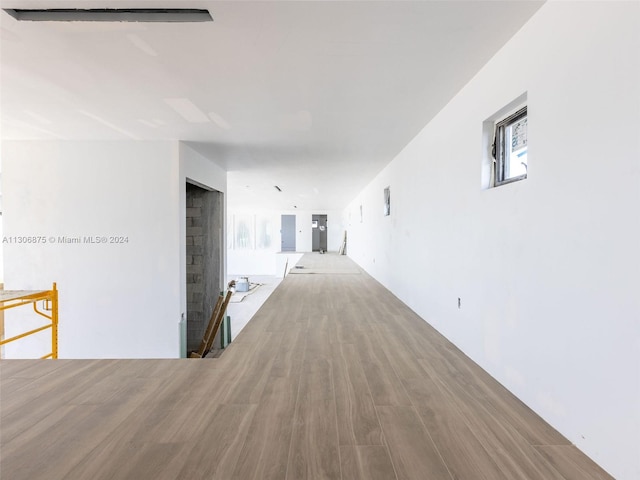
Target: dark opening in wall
204,260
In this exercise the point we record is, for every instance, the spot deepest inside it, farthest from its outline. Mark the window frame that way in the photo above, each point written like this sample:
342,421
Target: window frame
498,150
387,201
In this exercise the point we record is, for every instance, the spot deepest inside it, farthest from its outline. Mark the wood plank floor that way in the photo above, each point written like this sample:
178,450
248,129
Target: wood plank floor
334,378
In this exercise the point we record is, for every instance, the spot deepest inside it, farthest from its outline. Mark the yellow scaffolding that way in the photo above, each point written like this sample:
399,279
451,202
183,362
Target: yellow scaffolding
16,298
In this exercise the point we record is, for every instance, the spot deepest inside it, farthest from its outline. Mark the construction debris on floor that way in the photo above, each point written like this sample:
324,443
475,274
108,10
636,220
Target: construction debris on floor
238,295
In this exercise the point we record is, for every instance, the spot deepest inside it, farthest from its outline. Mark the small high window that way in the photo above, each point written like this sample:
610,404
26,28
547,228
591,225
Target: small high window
510,148
387,201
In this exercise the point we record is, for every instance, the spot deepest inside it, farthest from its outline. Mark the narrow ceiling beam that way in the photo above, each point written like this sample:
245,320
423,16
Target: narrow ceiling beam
111,15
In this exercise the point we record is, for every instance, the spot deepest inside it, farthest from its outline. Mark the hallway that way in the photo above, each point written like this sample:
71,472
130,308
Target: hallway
334,378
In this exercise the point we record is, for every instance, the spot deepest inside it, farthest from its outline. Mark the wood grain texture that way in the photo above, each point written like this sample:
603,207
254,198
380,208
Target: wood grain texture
413,453
215,453
461,451
265,453
333,378
384,384
510,451
314,451
572,463
357,418
368,462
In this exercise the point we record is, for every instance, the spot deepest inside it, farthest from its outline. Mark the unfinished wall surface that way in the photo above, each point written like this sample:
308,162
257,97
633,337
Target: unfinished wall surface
547,269
204,257
195,267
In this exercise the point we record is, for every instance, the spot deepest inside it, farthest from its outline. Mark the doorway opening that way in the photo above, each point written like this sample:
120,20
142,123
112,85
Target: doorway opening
319,233
288,233
204,259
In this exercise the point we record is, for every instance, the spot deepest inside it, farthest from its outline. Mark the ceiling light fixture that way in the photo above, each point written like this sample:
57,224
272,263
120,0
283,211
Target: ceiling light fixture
110,15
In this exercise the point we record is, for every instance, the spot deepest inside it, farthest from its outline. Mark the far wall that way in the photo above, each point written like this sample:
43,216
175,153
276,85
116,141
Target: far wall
260,255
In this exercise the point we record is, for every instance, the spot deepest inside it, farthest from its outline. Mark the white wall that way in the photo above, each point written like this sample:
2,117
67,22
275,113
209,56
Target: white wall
1,223
1,254
116,300
547,269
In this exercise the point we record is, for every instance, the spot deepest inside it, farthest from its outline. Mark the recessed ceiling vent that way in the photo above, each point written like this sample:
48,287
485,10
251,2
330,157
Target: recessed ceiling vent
111,15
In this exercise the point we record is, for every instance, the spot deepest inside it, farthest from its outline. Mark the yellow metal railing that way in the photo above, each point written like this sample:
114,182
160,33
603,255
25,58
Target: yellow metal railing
16,298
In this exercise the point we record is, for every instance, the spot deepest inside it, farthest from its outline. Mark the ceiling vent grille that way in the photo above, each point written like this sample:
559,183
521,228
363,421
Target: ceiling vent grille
111,15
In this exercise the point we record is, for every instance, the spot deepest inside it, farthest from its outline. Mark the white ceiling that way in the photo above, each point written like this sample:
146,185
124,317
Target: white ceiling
316,97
